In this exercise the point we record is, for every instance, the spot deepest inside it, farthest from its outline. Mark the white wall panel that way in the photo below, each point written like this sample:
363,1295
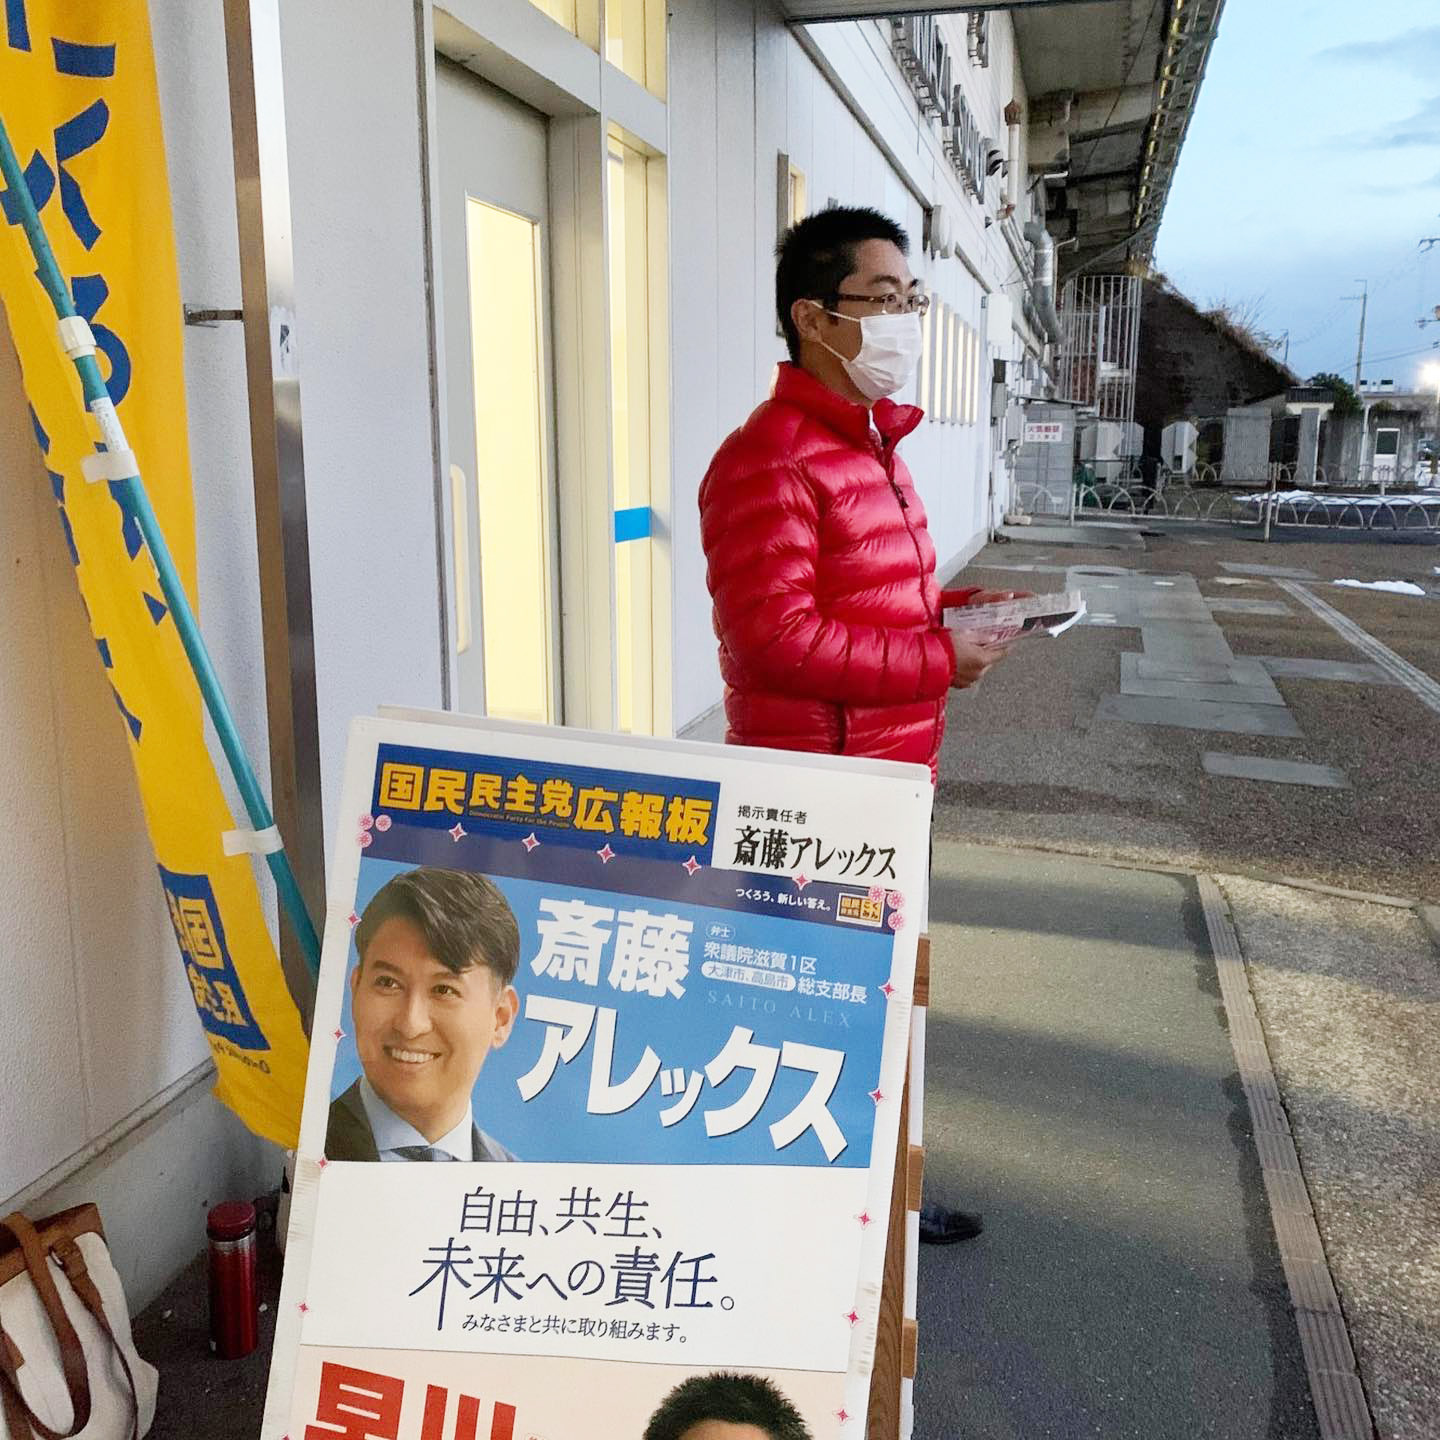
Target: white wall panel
43,1114
696,363
772,69
742,189
355,180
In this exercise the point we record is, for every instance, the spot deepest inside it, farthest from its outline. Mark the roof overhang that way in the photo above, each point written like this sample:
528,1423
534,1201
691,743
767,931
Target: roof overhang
1112,86
816,10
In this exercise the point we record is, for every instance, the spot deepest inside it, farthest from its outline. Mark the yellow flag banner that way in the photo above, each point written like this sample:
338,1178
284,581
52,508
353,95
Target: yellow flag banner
79,100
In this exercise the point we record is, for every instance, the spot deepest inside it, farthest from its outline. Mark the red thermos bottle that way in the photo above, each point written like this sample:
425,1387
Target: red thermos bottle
234,1295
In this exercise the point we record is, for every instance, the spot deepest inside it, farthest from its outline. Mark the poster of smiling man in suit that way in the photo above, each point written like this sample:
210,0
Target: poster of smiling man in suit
431,996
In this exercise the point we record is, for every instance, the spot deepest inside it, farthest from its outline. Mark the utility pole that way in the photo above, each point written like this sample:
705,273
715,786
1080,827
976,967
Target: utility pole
1364,298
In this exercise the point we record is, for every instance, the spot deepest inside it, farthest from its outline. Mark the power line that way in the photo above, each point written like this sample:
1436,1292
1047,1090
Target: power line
1399,354
1331,316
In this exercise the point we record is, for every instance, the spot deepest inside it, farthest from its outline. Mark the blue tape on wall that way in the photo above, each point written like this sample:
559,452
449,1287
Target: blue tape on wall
632,524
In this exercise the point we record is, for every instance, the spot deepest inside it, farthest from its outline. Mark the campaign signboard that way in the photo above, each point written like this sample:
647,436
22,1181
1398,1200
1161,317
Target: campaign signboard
604,1087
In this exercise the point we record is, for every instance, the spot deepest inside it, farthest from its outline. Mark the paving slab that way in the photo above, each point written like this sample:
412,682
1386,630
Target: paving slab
1132,579
1276,572
1176,642
1286,668
1241,672
1169,605
1088,537
1273,720
1230,606
1225,691
1275,772
1035,569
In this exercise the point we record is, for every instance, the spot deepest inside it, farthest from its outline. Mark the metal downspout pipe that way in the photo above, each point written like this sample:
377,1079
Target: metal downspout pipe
1044,294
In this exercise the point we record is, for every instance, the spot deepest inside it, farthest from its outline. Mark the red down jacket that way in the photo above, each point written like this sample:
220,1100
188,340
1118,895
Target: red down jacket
823,576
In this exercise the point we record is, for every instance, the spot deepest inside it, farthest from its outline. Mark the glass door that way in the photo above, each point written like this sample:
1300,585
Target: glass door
494,177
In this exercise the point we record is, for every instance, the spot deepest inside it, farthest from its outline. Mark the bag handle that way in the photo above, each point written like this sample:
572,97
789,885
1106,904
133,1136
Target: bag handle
72,1353
71,1260
17,1421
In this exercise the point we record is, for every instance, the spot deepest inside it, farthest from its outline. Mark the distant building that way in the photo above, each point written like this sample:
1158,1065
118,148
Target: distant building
1381,445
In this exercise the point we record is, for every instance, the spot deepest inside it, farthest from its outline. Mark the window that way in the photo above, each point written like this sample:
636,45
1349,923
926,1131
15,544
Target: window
1387,442
797,209
962,396
937,361
580,17
972,413
952,388
790,204
922,381
940,370
510,427
635,41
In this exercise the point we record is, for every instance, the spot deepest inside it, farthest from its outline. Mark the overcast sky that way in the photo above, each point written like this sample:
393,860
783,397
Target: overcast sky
1313,162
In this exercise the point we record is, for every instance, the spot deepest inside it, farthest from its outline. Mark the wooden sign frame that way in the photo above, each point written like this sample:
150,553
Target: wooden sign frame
897,1334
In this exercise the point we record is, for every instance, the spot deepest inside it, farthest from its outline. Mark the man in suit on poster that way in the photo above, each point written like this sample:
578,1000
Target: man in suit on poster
431,995
726,1406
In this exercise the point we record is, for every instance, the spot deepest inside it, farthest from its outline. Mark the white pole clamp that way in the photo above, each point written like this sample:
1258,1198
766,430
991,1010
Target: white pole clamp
110,465
252,842
76,336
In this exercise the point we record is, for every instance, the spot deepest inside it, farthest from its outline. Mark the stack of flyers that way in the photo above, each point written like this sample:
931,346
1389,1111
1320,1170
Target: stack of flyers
1001,623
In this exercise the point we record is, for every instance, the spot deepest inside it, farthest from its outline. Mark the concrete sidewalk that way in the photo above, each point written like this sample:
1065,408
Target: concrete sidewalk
1082,1093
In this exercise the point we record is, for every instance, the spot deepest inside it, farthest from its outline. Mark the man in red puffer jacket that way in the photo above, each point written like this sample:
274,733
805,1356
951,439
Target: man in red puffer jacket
822,571
820,564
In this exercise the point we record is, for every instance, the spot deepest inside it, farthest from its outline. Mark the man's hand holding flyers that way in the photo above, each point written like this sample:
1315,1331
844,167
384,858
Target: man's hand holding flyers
974,656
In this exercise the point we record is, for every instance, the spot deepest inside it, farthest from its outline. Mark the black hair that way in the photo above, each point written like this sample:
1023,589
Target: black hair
464,918
815,255
736,1399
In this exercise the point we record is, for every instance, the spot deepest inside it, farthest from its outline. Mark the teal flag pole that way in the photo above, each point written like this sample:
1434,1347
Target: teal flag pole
97,400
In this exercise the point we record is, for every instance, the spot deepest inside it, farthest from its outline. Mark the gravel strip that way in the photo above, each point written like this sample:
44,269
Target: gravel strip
1349,995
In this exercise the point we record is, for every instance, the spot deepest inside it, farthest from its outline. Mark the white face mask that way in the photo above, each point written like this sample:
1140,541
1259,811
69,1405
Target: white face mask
889,353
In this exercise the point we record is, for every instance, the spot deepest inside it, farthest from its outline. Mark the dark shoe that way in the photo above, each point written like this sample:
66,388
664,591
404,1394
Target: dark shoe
939,1226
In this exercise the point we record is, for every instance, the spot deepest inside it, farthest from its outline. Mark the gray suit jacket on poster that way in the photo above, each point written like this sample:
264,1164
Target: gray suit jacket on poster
349,1137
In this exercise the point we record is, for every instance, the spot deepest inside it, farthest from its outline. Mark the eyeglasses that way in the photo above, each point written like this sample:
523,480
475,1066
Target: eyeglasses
917,303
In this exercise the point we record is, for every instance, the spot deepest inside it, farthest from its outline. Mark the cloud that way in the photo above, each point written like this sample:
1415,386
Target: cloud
1401,187
1418,131
1417,50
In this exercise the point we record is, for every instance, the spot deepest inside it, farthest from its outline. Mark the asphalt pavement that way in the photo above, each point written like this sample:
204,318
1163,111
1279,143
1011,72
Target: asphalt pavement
1039,753
1227,711
1081,1093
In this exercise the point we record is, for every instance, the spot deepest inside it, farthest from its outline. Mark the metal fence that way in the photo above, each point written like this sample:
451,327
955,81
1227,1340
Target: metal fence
1267,507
